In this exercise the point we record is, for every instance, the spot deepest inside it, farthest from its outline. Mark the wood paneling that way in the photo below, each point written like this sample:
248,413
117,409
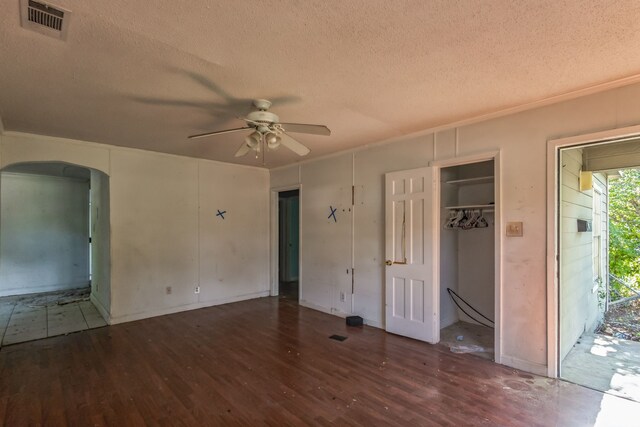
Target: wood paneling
270,362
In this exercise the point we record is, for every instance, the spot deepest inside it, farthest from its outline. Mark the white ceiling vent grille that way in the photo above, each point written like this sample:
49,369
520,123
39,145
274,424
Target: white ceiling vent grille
45,18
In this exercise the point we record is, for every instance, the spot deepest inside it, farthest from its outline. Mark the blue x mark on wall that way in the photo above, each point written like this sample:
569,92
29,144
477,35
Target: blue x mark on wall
221,213
333,213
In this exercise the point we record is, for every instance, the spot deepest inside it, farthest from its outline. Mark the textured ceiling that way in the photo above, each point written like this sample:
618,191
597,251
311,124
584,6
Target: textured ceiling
146,74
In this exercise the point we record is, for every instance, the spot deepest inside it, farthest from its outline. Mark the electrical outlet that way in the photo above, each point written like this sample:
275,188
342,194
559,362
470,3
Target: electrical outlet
197,289
342,297
168,290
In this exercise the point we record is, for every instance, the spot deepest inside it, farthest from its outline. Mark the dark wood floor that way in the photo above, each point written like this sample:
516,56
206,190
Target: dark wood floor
270,362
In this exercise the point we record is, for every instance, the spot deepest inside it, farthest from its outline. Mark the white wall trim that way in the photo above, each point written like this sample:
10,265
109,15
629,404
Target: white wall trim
161,312
373,323
46,288
602,137
331,311
110,148
463,160
101,308
274,227
552,258
532,105
524,365
368,322
498,271
553,152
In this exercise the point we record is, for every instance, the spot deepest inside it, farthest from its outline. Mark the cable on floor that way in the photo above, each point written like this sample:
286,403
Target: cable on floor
452,293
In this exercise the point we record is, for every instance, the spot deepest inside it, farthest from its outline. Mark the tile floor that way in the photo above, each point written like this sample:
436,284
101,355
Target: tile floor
35,316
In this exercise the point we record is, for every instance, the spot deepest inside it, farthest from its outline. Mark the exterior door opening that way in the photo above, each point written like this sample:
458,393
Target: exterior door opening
599,312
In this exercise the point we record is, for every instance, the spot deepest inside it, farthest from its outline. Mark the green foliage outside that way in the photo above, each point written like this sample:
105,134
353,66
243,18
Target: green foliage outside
624,232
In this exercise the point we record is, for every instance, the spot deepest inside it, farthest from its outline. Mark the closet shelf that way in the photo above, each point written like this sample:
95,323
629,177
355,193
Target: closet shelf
471,181
485,208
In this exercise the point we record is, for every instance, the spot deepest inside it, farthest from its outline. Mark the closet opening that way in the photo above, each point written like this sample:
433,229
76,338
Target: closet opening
467,258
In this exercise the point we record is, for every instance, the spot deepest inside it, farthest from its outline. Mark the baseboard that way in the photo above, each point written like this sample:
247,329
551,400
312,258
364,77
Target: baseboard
313,306
524,365
101,308
368,322
373,323
44,289
164,311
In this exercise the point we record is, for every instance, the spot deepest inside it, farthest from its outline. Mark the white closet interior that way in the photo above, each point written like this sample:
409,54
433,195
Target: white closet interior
467,240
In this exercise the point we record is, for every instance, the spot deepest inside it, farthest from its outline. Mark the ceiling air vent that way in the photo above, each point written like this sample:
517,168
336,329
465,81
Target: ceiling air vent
45,18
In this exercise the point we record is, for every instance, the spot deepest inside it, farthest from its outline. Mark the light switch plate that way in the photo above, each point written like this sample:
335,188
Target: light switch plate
514,229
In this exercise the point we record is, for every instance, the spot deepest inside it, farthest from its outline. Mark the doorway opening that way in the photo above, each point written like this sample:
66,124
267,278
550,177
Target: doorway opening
289,244
467,258
54,250
599,311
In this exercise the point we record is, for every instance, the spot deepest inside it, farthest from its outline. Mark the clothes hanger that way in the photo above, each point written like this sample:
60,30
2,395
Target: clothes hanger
482,221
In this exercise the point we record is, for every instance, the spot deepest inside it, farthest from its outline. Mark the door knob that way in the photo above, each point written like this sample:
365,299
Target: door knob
388,262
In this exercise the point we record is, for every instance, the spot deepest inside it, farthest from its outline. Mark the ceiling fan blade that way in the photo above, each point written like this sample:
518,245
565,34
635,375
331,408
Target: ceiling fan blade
305,128
293,145
220,132
243,150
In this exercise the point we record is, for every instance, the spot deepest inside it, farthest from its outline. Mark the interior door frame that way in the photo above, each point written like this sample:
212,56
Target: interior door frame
274,239
553,223
498,235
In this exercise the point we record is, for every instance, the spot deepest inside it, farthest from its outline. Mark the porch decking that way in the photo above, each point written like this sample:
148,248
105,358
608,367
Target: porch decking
606,364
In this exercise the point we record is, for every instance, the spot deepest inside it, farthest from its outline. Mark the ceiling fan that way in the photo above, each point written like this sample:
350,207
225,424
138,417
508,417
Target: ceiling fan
269,132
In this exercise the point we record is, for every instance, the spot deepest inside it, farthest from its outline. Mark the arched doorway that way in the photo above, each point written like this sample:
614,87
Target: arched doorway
54,250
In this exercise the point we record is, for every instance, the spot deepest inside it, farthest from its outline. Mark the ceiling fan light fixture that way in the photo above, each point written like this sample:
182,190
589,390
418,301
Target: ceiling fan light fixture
273,141
267,133
253,140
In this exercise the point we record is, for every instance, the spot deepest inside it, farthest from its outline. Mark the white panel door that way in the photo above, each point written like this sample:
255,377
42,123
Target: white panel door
411,288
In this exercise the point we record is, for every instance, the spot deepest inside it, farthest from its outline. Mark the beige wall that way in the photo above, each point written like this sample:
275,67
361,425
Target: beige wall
164,232
522,141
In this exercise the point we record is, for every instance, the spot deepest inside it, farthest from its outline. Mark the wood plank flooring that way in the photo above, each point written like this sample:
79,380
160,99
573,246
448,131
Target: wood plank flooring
270,362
